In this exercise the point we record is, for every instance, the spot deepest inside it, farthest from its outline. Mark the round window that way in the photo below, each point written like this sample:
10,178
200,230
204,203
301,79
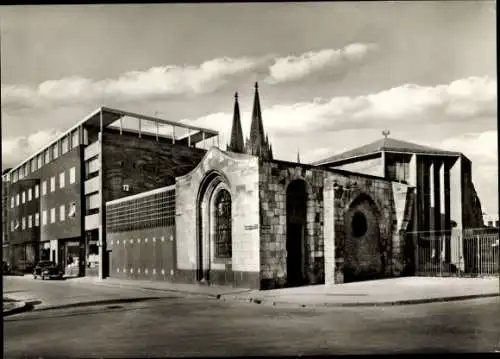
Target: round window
359,224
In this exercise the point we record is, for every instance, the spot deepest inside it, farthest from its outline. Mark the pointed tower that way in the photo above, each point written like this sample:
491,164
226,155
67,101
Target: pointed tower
236,142
298,156
258,143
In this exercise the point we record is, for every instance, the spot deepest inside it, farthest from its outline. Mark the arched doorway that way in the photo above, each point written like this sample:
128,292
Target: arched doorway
363,254
296,210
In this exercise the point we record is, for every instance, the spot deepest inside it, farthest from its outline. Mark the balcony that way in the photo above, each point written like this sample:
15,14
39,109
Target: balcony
92,185
92,221
91,150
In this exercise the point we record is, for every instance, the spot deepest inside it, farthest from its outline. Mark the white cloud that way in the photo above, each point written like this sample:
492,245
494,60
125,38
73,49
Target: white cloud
461,100
292,68
17,149
134,85
172,80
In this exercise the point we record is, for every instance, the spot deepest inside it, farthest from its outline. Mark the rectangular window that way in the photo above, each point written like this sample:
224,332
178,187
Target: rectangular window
23,223
30,194
27,168
37,190
44,217
61,180
12,226
72,210
12,202
72,175
39,160
37,219
52,215
47,156
55,150
33,164
62,213
52,184
21,172
64,145
15,175
30,221
44,188
23,197
17,199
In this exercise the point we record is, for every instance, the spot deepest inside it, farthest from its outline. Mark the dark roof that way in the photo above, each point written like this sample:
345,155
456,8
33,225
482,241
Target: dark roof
386,144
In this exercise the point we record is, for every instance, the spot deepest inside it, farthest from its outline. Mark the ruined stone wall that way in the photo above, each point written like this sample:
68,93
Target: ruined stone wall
274,178
328,215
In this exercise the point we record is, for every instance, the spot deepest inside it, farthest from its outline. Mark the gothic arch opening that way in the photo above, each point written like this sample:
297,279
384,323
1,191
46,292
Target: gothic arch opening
362,249
296,249
214,222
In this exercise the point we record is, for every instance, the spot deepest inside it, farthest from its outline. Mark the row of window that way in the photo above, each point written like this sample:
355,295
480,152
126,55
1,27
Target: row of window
31,221
62,146
27,196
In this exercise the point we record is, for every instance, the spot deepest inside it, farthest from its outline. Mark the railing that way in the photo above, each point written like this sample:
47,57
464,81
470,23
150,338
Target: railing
469,252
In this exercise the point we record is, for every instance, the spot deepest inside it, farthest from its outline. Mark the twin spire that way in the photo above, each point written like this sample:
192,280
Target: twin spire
257,144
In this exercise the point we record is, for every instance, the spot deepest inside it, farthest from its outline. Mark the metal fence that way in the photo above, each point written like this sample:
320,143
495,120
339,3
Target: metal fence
468,252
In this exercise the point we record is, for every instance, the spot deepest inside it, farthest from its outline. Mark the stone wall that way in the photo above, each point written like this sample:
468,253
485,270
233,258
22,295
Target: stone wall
239,173
274,178
329,212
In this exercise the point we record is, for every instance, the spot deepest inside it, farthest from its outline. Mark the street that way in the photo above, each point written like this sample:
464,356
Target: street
179,325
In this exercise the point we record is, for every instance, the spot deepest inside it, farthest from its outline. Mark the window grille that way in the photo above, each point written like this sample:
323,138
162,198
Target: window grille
151,211
223,225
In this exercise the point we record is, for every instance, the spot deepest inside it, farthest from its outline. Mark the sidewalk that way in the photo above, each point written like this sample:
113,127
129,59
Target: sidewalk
394,291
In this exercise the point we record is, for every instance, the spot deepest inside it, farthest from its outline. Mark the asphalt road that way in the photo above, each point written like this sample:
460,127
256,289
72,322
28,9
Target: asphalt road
198,326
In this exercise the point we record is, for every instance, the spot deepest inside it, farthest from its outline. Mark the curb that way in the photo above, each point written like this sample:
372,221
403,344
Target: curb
363,304
213,295
98,302
18,308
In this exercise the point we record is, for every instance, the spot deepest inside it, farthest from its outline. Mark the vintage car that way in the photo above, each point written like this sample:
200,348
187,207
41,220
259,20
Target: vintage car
47,270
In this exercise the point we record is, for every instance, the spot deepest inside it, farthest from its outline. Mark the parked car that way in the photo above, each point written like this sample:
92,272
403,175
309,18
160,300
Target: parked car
47,270
5,268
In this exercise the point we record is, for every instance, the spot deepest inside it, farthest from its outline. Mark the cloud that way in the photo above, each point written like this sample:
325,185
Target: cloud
173,80
135,85
17,149
461,100
293,68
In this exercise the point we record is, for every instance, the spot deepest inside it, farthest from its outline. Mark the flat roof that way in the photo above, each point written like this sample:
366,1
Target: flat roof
111,115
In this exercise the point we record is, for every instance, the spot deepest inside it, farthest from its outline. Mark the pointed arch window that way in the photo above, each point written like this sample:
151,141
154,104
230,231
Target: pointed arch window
222,203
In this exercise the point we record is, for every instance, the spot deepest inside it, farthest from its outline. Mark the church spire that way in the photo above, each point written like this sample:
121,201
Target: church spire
236,142
298,156
258,144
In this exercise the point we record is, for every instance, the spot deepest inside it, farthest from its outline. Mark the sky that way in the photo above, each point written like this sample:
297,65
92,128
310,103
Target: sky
332,75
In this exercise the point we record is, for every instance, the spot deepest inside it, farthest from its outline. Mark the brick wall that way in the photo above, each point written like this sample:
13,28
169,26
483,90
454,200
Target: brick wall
143,163
240,174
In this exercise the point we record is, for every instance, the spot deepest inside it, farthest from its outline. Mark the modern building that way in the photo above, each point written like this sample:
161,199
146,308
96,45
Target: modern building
57,196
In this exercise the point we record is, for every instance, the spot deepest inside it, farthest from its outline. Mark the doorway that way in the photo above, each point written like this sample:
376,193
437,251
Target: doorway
296,209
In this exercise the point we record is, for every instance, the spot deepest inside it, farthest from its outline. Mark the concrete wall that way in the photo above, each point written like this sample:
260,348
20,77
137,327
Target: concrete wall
372,166
143,163
240,175
147,254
